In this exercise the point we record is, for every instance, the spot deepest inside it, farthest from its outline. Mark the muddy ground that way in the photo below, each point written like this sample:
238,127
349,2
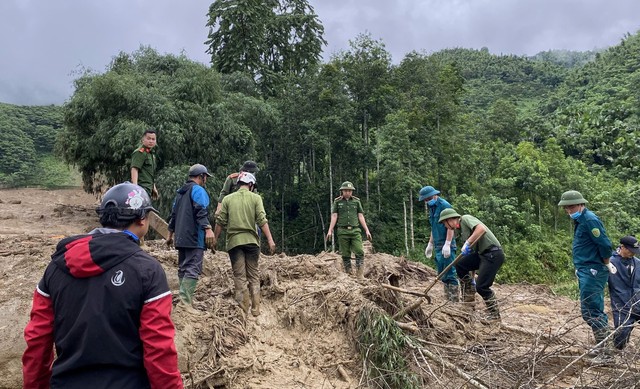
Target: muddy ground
309,334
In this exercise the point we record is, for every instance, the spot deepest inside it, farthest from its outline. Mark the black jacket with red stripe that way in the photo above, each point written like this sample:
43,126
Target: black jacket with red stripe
106,305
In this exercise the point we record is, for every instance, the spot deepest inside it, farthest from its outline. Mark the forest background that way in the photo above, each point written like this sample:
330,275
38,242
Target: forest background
501,136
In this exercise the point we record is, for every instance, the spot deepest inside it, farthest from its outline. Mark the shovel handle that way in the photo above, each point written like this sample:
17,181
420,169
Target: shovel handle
446,269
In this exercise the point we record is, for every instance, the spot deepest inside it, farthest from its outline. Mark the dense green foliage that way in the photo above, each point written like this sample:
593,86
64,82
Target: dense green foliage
501,136
27,138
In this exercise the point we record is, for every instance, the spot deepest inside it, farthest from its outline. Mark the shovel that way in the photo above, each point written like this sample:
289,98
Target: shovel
418,302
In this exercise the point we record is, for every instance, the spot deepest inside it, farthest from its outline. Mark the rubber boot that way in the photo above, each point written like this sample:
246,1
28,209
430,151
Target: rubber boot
346,265
360,272
242,294
451,292
492,308
468,290
187,289
255,301
602,353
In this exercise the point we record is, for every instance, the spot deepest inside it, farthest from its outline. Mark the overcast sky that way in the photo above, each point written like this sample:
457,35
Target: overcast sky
45,43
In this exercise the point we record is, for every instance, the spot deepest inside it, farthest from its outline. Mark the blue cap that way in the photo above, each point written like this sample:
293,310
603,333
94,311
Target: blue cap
427,192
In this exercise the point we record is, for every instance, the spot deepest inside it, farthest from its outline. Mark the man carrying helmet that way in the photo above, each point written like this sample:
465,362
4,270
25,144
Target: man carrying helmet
591,253
239,214
481,252
190,230
624,289
443,240
231,183
348,214
106,306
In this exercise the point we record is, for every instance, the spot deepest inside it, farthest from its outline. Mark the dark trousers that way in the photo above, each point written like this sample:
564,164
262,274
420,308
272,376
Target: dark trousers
487,265
623,322
190,262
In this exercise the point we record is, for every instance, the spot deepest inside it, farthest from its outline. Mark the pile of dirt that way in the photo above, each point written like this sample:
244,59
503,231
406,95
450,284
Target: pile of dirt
316,322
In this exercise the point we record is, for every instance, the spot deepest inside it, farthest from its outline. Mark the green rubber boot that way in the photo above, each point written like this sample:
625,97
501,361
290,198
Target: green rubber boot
187,289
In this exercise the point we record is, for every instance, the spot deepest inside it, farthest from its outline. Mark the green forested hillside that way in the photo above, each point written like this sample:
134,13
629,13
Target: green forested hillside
27,141
501,136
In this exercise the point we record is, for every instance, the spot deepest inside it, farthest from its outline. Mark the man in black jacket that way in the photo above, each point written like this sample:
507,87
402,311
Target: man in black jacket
106,305
190,230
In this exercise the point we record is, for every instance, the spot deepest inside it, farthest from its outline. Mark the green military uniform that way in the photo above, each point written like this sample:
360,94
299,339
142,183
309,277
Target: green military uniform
144,159
349,235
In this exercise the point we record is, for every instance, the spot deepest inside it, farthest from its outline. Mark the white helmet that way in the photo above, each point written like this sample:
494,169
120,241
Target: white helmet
246,178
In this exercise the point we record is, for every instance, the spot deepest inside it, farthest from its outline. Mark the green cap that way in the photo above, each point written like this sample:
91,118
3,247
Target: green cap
347,185
448,214
571,197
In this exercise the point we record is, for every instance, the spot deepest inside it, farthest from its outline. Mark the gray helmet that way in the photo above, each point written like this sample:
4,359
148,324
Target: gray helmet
571,197
125,202
347,185
448,214
250,167
197,170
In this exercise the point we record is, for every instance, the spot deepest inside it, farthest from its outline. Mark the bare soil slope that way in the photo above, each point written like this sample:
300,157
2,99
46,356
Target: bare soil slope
309,334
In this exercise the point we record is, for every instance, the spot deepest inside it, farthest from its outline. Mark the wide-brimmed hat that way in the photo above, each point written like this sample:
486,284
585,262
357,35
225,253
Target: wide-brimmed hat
427,192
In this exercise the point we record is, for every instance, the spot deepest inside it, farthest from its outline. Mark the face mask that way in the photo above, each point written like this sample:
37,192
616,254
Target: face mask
431,202
575,215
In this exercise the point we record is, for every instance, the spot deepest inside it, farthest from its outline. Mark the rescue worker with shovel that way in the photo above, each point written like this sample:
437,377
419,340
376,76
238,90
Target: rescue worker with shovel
239,214
348,214
591,253
481,252
442,239
189,223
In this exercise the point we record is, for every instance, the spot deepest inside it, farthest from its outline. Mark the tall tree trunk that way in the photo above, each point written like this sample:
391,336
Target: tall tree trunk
333,245
366,142
282,218
413,241
378,182
406,237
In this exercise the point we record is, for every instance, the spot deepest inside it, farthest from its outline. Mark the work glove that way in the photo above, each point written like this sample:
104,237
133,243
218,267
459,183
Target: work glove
428,252
466,248
446,249
612,268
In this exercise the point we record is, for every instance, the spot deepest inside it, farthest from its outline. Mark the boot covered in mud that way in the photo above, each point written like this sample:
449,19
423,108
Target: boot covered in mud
603,352
451,292
255,300
241,294
346,265
468,290
492,308
360,272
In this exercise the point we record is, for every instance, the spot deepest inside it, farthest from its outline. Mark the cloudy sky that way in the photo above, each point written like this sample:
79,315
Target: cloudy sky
44,44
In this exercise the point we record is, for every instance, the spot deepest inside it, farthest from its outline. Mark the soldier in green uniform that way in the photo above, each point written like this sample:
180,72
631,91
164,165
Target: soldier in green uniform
348,215
143,164
231,182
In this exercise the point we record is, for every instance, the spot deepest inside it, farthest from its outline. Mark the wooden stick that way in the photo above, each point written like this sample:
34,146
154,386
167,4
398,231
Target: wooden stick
472,381
403,290
343,374
408,326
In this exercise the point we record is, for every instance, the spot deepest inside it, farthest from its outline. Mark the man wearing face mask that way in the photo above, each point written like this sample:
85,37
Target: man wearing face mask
624,289
591,252
442,239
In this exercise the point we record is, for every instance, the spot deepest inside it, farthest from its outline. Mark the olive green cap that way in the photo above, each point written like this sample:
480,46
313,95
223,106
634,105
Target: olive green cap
448,214
347,185
571,197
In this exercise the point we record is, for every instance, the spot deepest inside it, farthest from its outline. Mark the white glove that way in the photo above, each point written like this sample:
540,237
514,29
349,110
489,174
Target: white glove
446,249
612,268
428,252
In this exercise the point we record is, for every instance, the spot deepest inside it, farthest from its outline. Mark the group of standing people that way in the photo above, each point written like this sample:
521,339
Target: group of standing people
481,252
105,304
